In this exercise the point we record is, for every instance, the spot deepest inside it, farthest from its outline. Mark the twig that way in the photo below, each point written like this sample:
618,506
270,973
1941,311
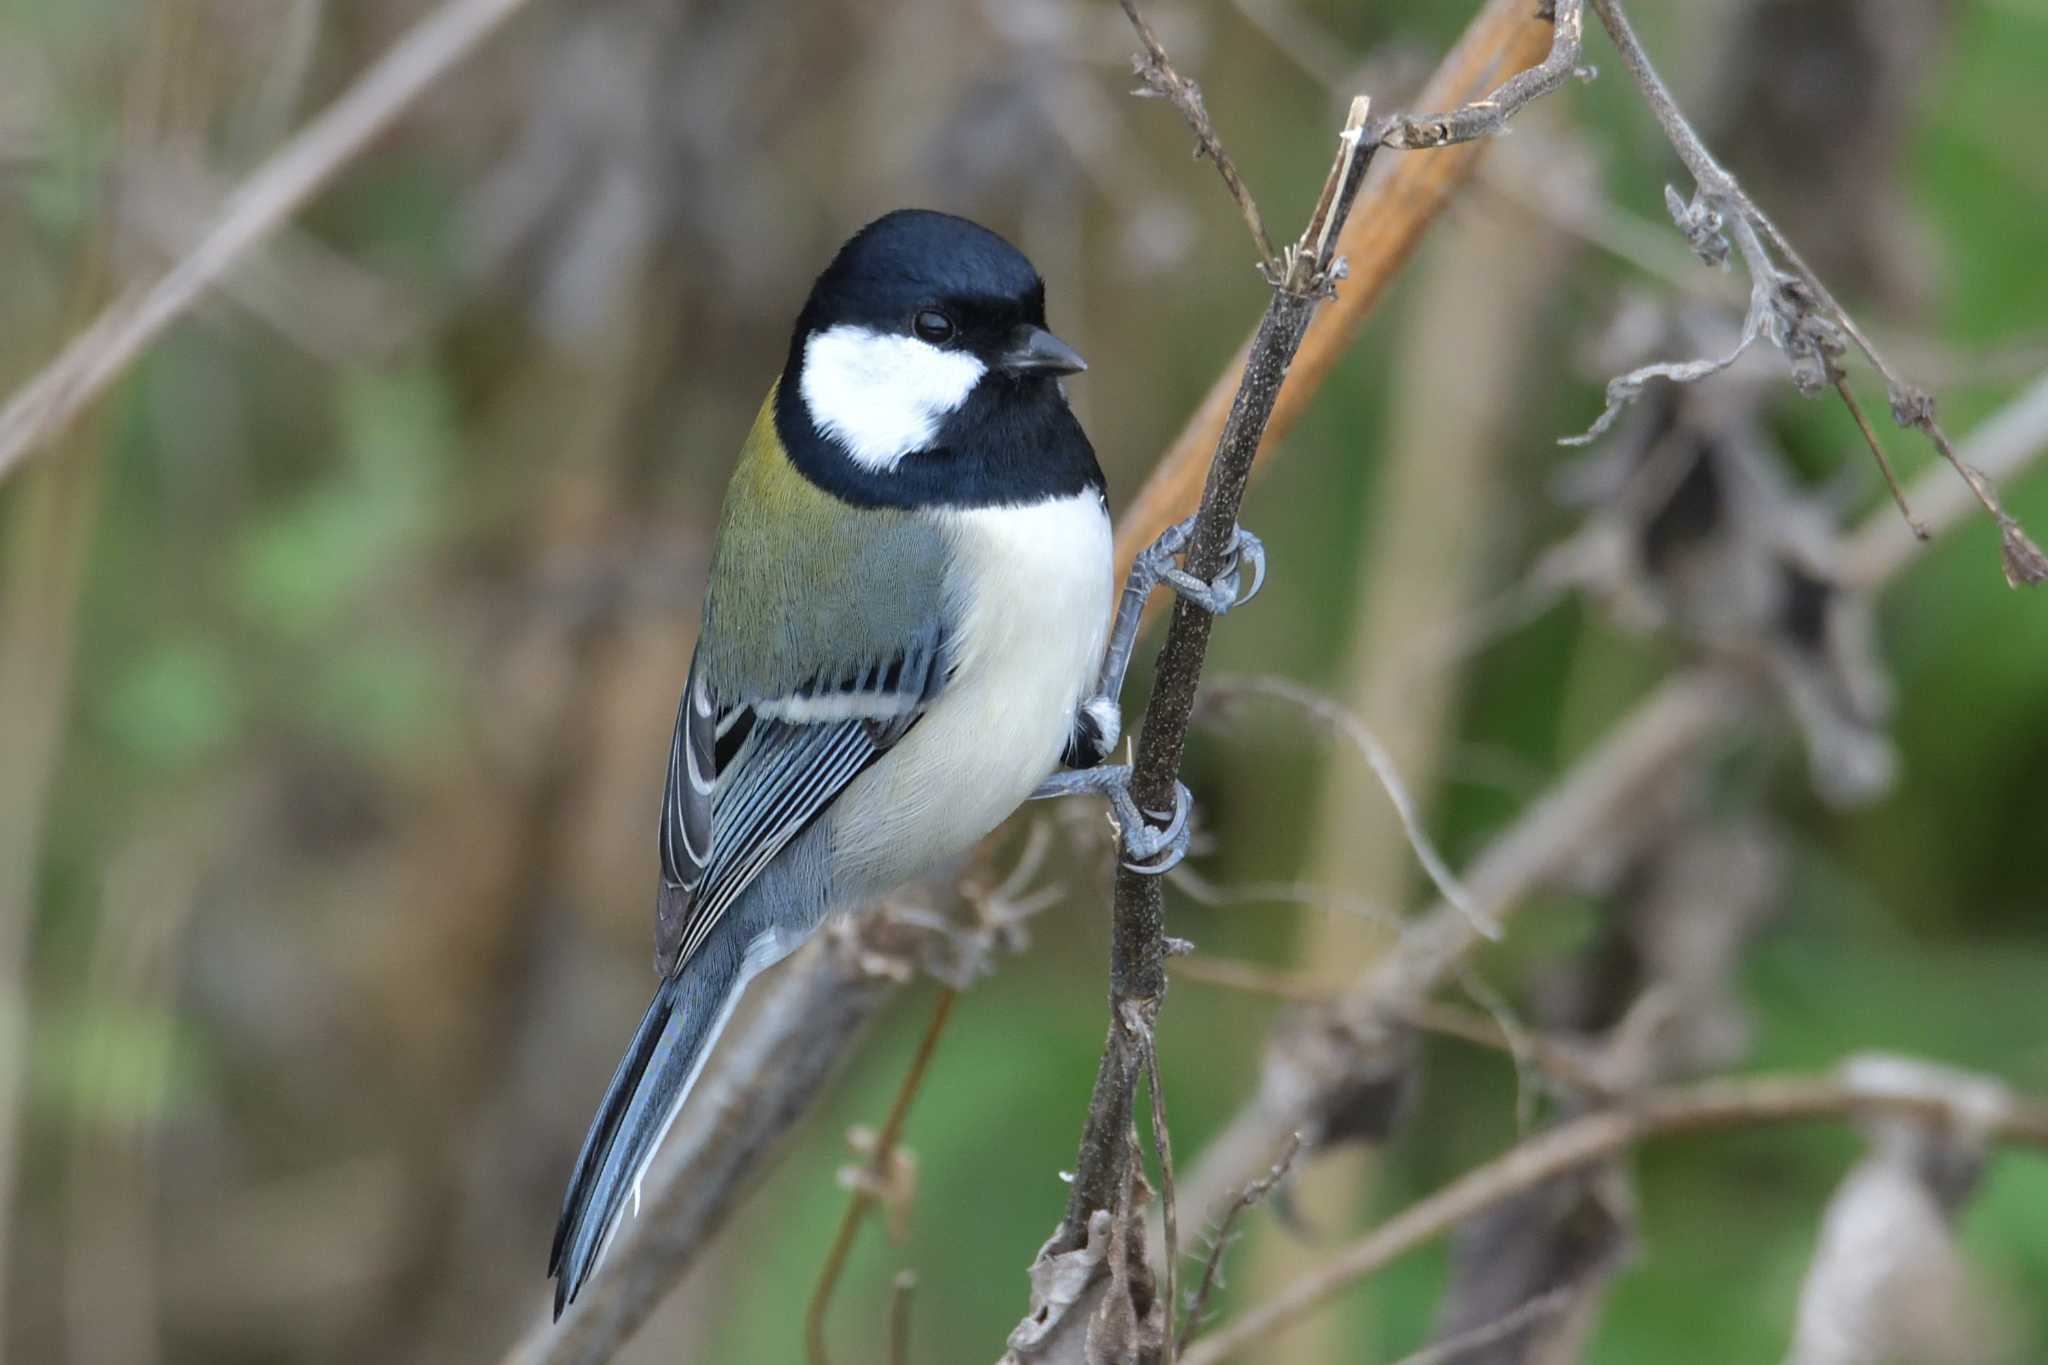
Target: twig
2004,445
1489,116
279,188
1212,1265
1353,729
1807,317
1891,480
1162,1143
1710,1106
900,1290
1556,1060
1528,1313
1138,954
1103,1172
1397,205
879,1160
1164,81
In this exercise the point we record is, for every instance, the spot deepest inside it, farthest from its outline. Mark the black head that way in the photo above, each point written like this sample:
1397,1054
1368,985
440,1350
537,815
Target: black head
921,373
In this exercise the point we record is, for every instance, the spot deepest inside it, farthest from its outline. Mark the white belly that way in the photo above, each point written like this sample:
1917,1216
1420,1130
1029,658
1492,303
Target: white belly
1033,588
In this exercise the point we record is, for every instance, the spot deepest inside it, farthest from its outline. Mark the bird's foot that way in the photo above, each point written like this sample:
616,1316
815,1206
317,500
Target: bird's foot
1153,849
1219,594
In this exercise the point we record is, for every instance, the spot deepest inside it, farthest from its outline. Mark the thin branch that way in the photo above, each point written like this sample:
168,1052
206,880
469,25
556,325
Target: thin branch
1397,204
1489,116
1348,724
1528,1313
1891,480
1806,319
1138,952
1559,1061
98,356
1253,1193
900,1291
1162,1143
2004,446
1710,1106
1164,81
880,1159
1103,1170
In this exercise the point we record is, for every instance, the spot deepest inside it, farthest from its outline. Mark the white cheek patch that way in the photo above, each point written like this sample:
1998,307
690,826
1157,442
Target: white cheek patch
882,396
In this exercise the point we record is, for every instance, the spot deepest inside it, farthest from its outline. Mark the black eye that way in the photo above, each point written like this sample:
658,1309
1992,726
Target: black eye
933,326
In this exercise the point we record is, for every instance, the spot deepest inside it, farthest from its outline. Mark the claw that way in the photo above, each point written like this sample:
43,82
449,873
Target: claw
1154,850
1226,590
1158,851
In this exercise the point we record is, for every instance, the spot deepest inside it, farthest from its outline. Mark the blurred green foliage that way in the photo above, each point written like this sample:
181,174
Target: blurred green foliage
307,646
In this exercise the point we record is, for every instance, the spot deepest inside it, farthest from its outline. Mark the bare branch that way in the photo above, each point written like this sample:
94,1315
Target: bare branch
880,1158
1710,1106
1807,320
1348,724
1164,81
1399,202
1103,1171
1212,1265
2004,446
1530,1312
1162,1143
1489,116
900,1290
279,188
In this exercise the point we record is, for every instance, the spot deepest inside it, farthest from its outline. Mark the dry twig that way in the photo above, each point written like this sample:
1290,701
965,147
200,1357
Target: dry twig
1164,81
881,1157
1489,115
279,188
1253,1193
1800,316
1710,1106
1397,205
1103,1169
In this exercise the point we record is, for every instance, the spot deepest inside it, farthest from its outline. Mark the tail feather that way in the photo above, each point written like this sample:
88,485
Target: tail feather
662,1063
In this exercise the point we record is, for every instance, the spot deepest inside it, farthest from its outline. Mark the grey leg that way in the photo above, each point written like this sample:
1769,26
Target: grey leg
1100,721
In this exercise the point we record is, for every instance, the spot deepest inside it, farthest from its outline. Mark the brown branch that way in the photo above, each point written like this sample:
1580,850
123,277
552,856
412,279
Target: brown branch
1884,466
1397,204
1212,1265
880,1160
1137,934
900,1291
1710,1106
1164,81
98,356
2003,445
1489,116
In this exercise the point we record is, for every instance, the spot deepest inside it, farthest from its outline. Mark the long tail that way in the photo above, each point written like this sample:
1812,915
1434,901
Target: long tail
654,1076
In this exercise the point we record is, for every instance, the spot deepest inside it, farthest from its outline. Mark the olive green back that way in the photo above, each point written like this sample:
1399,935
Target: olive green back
804,585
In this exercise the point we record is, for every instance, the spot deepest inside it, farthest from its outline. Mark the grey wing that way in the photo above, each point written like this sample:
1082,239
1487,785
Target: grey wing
748,774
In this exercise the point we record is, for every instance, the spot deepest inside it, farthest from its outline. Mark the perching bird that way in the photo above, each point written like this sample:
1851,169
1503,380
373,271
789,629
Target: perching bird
904,635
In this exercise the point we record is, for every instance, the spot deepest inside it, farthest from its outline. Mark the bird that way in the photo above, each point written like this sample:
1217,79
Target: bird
907,632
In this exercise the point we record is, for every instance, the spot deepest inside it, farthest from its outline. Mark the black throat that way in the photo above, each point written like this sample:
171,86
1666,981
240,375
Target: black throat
1013,442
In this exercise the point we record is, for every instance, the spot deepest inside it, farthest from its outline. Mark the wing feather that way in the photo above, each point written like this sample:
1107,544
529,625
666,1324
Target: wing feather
748,774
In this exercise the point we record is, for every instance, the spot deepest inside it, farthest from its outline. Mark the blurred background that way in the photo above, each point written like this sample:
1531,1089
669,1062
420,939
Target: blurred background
339,648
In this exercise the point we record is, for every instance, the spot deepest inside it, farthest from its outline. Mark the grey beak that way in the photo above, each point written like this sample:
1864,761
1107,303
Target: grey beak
1033,350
